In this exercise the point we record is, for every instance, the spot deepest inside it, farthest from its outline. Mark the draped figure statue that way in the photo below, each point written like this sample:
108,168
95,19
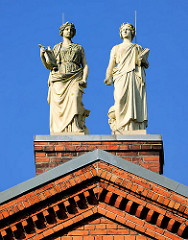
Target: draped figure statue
127,69
68,75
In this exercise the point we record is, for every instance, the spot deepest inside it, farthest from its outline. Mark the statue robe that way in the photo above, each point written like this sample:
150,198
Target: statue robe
65,93
129,88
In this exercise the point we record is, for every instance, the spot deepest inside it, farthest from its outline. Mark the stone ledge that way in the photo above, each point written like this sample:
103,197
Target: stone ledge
144,137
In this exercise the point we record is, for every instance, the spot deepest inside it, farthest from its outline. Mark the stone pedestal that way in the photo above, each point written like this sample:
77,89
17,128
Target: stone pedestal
144,150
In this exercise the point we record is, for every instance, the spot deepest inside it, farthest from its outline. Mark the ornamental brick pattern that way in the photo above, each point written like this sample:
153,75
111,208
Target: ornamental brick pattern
70,205
102,229
148,154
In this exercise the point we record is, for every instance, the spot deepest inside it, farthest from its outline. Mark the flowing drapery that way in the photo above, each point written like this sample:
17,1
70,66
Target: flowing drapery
129,89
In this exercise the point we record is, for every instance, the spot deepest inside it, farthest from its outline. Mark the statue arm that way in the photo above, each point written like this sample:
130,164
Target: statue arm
142,60
83,82
110,67
42,55
145,63
46,53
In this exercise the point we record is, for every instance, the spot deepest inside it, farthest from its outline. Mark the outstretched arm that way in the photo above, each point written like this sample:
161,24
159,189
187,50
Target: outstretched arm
110,67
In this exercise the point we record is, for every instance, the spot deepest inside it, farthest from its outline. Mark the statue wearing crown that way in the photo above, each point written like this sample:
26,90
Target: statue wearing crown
127,65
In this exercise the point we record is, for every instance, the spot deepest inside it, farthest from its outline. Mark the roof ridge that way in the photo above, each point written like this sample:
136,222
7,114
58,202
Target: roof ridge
87,159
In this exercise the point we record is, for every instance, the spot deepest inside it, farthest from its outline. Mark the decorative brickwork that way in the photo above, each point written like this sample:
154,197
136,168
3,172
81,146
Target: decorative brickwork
148,154
101,228
60,208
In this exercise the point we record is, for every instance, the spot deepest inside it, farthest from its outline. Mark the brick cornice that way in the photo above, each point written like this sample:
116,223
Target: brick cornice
98,188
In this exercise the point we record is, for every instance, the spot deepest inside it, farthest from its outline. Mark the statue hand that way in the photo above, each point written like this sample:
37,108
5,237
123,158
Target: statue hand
83,83
139,61
42,49
107,81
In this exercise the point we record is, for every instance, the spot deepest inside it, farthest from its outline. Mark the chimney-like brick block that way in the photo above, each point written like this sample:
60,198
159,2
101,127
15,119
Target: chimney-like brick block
49,154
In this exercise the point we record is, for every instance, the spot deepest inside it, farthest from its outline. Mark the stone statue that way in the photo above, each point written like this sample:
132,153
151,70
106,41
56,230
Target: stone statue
68,75
127,68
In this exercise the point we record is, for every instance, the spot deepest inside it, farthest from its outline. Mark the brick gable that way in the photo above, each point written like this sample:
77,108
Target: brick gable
95,189
101,228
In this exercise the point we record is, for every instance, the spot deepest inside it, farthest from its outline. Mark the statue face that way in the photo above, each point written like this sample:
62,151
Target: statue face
68,32
126,33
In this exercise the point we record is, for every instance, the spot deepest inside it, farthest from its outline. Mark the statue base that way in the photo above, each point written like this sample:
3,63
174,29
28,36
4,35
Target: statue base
133,132
70,133
145,150
85,131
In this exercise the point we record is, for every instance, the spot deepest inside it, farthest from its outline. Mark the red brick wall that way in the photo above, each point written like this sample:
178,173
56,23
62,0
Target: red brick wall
102,229
148,154
118,195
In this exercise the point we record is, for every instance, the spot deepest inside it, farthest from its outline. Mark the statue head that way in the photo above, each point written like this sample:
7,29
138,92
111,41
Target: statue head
67,24
128,26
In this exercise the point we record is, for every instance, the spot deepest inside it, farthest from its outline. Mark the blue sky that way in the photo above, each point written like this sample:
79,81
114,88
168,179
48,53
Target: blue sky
161,26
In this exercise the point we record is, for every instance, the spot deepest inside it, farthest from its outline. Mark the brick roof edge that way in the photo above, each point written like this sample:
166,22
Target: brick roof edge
85,160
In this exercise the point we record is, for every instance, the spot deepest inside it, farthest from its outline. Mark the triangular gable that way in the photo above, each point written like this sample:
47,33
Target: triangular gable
100,228
95,183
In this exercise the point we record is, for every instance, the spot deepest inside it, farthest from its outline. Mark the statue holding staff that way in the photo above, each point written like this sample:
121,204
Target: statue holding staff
68,76
127,69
